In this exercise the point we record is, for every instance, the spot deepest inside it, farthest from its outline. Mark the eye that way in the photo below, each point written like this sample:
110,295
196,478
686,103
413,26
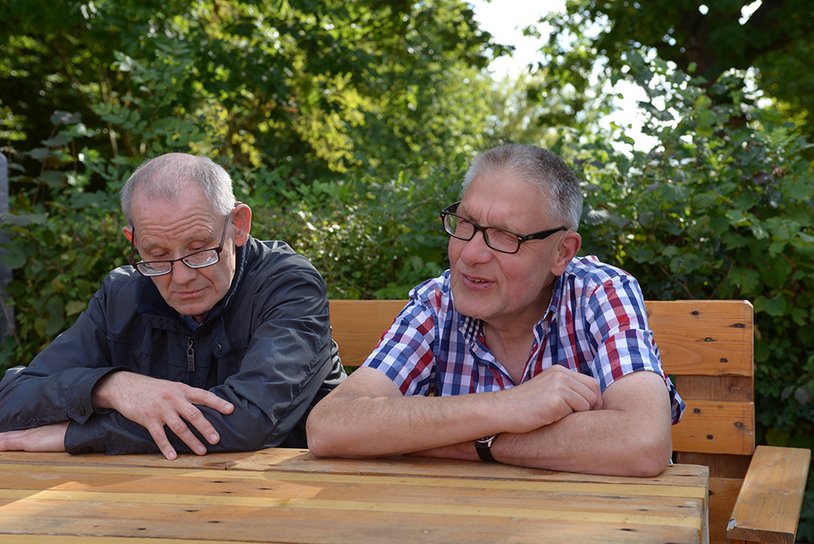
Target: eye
198,246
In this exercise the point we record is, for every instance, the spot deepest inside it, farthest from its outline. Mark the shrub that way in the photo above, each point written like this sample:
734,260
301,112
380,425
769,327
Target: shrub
721,208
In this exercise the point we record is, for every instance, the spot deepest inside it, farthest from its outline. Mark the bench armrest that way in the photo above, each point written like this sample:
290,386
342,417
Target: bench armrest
768,506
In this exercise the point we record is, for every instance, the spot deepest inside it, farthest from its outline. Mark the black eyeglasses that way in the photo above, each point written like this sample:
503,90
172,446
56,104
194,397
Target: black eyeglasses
195,260
498,239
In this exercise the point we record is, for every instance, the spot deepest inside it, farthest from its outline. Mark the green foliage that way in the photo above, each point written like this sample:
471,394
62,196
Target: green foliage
703,38
720,208
368,238
310,89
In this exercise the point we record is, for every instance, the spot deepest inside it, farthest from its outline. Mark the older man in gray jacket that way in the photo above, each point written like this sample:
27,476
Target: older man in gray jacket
210,341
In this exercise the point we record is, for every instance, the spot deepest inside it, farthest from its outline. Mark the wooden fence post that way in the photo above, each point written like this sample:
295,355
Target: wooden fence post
6,311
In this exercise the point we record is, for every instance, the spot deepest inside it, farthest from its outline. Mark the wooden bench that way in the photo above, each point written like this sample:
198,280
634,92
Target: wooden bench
756,494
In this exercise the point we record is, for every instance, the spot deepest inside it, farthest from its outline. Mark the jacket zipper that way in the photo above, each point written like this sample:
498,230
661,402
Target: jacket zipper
190,355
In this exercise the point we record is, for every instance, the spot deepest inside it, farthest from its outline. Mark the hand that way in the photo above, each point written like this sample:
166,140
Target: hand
47,438
548,397
154,403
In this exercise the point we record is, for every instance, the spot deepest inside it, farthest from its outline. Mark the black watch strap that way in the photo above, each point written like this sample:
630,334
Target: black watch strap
484,448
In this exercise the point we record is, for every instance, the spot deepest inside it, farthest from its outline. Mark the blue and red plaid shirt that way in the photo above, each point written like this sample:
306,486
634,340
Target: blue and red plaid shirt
595,324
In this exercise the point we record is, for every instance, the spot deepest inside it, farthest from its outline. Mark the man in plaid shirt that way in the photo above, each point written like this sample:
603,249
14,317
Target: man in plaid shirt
521,352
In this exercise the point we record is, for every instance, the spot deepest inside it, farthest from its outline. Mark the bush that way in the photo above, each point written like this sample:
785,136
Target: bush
721,208
368,239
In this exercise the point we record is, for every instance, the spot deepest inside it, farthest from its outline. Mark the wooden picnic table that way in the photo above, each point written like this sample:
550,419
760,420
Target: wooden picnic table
288,495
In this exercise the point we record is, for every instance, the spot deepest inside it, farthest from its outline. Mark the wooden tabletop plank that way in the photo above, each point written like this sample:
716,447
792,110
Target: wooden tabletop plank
319,521
294,460
291,496
15,476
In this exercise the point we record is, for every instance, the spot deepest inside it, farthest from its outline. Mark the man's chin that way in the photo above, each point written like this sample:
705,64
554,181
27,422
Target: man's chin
193,311
470,306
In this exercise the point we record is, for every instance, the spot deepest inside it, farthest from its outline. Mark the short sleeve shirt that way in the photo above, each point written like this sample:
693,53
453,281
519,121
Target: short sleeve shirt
596,324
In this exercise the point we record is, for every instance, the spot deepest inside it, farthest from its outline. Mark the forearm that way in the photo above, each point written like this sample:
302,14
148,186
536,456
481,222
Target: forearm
368,416
33,398
581,442
379,426
113,434
599,441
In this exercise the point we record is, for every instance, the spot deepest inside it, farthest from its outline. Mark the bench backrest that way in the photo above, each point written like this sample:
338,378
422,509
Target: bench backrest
706,348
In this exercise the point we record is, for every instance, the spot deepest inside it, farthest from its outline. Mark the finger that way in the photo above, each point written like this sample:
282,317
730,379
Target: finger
198,420
571,401
589,392
211,400
180,429
160,439
588,388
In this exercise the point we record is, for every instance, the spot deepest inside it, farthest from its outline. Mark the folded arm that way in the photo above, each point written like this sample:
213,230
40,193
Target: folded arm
557,421
369,405
630,435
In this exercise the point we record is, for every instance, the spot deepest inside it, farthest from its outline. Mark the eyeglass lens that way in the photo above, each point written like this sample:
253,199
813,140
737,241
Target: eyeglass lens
201,259
497,239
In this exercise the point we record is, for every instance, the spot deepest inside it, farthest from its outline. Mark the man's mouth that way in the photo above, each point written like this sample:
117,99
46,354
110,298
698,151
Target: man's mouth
474,279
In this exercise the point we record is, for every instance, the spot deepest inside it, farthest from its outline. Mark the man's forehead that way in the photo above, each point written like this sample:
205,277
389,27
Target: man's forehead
160,207
159,188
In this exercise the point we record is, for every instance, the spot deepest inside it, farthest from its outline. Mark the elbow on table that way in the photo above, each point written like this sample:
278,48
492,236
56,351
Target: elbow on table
320,440
653,457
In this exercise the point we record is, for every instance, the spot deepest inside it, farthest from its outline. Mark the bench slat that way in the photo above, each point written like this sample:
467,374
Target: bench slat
357,325
770,500
716,427
703,338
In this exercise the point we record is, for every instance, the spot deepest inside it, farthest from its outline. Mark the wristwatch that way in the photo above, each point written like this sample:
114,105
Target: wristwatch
484,448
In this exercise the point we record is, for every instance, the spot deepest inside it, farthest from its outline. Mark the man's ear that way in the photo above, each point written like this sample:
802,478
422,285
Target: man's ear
128,233
569,246
242,220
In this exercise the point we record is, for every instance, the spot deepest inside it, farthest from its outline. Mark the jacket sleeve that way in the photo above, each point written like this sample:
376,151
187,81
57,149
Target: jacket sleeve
56,386
289,364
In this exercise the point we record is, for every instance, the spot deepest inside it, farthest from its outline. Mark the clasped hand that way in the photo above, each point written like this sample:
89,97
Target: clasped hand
154,403
548,397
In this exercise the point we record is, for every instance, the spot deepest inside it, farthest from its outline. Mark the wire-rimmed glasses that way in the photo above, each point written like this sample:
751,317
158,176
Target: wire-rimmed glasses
197,259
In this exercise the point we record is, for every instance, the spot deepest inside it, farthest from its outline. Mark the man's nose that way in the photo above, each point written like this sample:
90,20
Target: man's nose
181,273
476,249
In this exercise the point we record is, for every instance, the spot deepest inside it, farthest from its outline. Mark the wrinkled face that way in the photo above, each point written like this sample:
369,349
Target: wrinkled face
502,289
171,229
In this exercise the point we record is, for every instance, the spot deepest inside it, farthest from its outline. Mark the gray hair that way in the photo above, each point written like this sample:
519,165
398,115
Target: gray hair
544,169
167,176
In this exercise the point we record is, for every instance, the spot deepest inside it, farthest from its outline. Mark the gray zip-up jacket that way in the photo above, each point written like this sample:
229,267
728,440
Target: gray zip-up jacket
266,348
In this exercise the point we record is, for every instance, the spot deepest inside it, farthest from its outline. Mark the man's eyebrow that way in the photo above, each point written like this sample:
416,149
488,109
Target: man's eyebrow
159,242
466,217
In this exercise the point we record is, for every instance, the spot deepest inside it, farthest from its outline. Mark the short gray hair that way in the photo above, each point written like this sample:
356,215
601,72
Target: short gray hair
540,167
166,176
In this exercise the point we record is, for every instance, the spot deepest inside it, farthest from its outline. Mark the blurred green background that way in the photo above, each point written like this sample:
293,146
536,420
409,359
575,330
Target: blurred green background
347,126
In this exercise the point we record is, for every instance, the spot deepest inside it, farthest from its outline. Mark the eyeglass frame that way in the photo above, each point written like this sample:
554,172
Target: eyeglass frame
217,251
539,235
